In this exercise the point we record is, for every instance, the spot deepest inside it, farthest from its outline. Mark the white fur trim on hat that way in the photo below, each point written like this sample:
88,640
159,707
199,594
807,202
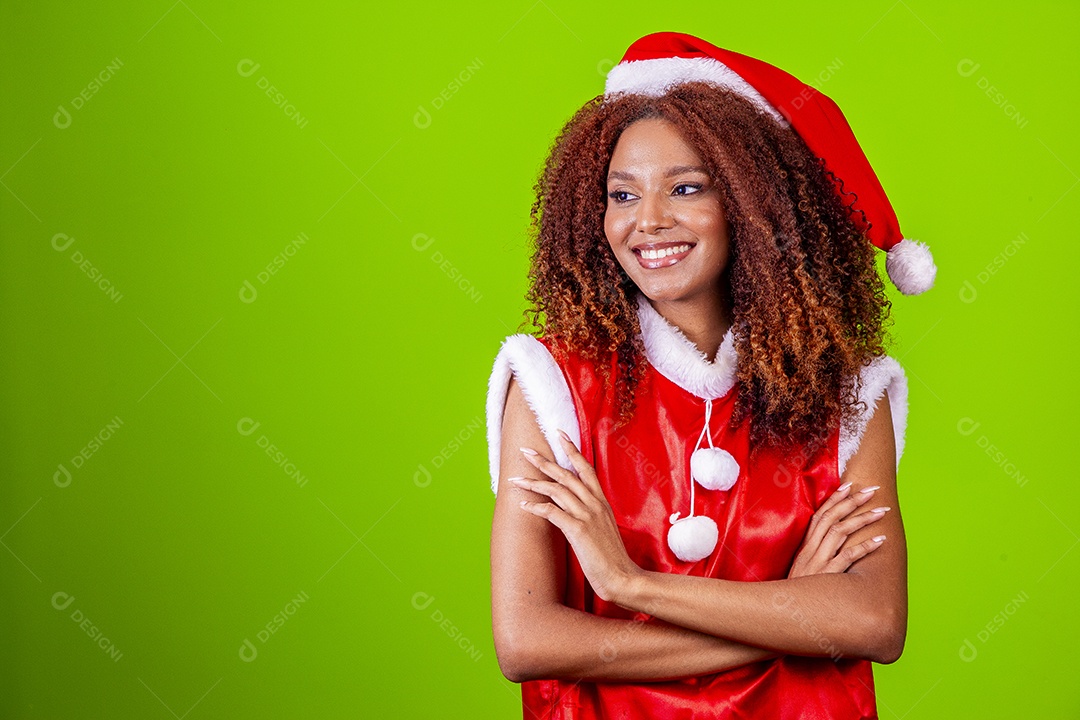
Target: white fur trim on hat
545,390
883,374
911,266
655,77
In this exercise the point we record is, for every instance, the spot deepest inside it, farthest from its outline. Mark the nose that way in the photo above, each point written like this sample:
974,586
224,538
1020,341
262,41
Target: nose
653,213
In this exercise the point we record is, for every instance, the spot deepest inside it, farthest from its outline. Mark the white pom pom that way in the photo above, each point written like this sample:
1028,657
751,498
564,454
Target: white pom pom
692,538
911,267
714,468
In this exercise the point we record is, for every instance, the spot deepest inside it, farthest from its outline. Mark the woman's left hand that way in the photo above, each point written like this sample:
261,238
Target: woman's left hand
578,508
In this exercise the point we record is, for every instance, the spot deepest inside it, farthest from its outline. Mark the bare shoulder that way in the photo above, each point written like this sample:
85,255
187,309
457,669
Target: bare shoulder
876,454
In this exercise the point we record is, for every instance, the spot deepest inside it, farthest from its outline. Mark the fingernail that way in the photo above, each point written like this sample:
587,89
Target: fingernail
870,489
515,479
565,436
881,510
529,451
843,487
879,538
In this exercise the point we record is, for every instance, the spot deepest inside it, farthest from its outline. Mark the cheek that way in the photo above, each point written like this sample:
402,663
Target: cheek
609,227
616,225
713,225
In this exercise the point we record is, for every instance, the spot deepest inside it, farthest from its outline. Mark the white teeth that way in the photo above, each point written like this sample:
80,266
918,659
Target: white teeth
657,254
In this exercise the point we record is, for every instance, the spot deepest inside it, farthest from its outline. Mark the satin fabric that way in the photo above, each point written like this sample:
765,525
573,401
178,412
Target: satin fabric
643,468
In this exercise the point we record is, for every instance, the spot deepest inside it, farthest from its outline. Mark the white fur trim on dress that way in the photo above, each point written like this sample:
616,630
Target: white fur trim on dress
677,358
545,390
910,266
655,77
884,374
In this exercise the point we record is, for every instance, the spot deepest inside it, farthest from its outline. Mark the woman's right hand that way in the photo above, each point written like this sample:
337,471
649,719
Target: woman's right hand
830,527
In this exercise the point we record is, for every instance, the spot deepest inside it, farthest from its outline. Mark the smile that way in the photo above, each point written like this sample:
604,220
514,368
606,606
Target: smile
661,255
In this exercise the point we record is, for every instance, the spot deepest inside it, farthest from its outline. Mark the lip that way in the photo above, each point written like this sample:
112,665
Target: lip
663,262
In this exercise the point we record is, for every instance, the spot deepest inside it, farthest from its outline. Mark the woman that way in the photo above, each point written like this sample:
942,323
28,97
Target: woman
698,277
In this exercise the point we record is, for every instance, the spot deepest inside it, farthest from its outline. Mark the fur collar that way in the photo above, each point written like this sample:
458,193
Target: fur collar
677,358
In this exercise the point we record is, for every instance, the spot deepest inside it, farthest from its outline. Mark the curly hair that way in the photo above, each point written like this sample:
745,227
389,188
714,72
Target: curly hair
808,304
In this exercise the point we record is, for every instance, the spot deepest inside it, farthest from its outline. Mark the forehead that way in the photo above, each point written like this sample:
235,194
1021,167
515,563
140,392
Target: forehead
650,144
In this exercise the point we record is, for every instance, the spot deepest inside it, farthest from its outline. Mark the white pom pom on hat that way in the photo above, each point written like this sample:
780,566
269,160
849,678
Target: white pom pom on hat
911,267
657,62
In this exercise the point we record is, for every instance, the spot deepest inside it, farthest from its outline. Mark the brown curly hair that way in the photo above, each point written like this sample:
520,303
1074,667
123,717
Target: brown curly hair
808,305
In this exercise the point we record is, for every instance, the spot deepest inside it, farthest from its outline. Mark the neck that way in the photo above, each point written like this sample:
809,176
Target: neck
703,320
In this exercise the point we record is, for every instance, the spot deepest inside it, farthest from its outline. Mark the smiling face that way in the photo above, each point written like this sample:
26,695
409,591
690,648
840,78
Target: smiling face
664,219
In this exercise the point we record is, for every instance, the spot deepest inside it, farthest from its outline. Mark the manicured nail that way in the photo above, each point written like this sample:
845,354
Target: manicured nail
516,480
879,538
529,451
565,436
843,487
870,489
523,503
881,510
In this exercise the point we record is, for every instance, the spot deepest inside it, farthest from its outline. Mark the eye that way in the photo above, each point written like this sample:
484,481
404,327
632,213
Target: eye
620,196
686,189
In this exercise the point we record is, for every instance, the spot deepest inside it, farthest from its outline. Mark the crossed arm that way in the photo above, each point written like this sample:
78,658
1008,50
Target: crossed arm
700,625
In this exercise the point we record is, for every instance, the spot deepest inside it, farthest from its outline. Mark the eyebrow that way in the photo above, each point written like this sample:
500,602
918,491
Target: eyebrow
671,172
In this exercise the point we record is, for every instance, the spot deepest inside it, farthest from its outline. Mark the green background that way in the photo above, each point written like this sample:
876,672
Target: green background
403,156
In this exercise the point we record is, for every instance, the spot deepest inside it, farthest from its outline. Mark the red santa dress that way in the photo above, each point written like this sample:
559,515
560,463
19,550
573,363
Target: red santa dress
643,468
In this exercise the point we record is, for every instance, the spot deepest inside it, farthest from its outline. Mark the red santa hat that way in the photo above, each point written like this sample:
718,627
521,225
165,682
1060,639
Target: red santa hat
661,60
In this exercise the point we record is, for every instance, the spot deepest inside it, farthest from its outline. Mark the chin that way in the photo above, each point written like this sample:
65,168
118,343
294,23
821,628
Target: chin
662,294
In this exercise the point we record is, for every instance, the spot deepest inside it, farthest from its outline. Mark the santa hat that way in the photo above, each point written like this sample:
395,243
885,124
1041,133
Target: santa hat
659,61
